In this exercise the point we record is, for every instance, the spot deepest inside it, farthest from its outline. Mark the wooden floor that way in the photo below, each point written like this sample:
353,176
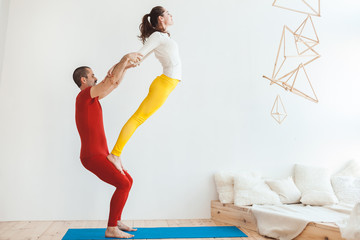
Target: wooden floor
55,230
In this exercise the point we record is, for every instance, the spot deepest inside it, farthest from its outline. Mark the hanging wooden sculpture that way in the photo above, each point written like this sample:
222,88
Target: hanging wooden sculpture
306,35
303,89
289,57
296,50
311,7
278,111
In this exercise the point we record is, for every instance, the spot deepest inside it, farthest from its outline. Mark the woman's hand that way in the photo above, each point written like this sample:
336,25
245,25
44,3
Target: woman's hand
134,59
116,160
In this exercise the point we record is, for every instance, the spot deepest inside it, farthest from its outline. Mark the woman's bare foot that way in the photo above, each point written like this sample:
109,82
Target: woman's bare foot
115,232
123,227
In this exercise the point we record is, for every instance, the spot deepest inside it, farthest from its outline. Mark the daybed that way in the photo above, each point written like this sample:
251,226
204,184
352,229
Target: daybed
311,204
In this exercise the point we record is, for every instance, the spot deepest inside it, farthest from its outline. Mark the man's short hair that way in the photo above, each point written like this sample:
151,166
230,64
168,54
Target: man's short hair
79,73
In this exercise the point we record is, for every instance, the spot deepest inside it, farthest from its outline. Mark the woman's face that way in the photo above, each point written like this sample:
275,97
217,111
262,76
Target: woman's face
166,18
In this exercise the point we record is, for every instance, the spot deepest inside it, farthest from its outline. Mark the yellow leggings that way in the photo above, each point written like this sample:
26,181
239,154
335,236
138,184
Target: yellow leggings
159,90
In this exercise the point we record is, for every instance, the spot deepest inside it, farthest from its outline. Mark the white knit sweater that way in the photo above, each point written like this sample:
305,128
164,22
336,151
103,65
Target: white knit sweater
166,50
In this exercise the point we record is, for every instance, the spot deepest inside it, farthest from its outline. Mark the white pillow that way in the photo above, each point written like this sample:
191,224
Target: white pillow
225,186
352,168
347,188
250,189
318,198
286,189
314,185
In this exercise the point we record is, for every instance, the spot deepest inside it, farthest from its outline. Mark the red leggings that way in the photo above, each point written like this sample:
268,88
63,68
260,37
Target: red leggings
106,171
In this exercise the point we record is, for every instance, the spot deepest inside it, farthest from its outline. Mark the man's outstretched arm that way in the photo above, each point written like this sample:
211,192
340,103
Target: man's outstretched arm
110,82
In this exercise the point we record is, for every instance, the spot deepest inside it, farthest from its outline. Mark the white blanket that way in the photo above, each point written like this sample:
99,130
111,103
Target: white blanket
288,221
350,228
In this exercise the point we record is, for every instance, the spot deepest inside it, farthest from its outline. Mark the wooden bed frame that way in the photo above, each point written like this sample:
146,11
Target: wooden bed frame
243,217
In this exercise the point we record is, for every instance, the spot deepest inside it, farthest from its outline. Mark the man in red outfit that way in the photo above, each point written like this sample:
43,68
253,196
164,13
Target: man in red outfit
94,150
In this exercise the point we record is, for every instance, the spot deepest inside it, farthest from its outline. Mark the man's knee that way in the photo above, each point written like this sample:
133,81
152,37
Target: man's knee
128,186
129,178
124,184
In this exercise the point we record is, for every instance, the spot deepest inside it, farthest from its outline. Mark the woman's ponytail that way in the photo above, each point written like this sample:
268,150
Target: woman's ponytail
149,23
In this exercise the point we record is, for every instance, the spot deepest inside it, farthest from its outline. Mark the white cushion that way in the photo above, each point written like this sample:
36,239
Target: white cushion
318,198
225,186
352,168
314,182
347,188
286,189
250,189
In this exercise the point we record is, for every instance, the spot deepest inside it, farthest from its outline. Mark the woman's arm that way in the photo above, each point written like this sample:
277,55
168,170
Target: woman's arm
111,82
151,43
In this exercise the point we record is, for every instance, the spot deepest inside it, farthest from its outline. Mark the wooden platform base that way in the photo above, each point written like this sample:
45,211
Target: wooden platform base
243,217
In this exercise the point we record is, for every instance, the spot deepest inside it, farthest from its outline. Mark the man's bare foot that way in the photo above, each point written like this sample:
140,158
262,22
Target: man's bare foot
123,227
115,232
116,160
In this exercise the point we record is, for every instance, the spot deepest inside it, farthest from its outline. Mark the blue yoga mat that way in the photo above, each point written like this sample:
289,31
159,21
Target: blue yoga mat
158,233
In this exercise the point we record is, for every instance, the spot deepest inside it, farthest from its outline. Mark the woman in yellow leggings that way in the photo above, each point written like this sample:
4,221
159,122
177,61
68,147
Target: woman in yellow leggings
156,39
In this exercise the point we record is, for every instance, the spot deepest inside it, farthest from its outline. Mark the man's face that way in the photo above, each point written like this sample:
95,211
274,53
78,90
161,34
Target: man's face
91,80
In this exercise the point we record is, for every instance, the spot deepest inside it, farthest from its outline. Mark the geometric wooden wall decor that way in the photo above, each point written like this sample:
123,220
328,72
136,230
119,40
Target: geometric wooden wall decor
278,111
311,7
289,57
304,89
306,35
296,50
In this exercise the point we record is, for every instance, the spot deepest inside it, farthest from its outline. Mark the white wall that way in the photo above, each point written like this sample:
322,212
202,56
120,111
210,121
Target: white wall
218,118
4,12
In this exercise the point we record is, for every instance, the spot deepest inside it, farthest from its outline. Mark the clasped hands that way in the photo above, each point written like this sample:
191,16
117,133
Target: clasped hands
132,60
